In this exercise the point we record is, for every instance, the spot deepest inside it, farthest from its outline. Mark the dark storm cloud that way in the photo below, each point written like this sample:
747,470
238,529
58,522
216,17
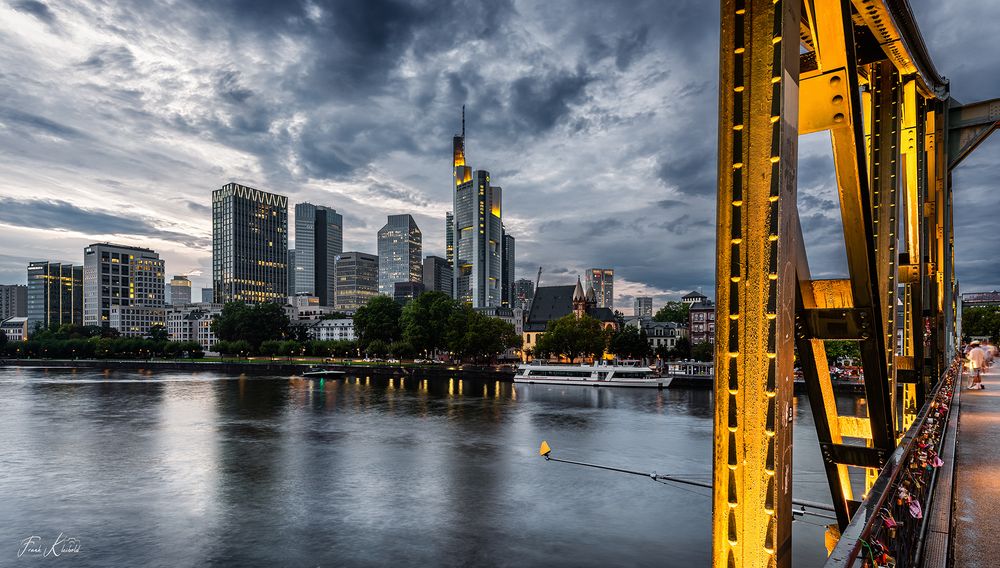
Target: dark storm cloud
119,57
37,9
61,215
37,123
542,100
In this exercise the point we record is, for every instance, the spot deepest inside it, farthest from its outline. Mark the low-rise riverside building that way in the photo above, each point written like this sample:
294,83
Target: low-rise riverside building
701,322
659,333
16,329
193,322
333,330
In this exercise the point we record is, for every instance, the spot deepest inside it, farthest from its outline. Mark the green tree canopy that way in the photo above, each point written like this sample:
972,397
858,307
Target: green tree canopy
676,312
981,320
476,336
378,320
703,351
424,321
629,343
254,324
572,337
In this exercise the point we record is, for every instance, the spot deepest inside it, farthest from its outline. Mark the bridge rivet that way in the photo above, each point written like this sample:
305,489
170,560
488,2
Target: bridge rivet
838,99
838,118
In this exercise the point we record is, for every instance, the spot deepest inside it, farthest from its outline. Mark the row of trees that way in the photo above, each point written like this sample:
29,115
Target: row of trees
90,342
430,324
573,337
981,321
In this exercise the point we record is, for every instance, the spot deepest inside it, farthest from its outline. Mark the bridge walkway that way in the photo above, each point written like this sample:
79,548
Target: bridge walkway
976,505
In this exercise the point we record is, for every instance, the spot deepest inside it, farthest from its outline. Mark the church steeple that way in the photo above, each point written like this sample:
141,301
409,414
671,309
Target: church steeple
579,300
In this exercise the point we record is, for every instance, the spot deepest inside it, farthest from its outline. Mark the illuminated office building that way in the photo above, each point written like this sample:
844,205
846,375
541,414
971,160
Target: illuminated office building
319,238
357,280
477,232
180,291
399,253
602,280
55,294
249,245
123,288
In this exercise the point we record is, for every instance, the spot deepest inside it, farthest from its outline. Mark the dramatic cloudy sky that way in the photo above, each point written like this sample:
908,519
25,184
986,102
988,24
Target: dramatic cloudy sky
118,119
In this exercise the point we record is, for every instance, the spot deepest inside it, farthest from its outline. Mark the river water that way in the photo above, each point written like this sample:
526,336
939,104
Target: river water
204,469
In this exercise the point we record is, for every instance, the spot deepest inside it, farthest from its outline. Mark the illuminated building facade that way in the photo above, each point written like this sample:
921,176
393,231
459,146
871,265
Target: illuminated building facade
180,291
507,298
477,232
400,253
602,281
357,280
128,279
438,275
249,245
55,294
319,238
13,301
642,307
449,237
524,291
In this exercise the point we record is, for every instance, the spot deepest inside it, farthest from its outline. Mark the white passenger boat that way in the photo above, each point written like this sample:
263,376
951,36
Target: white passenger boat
321,372
596,375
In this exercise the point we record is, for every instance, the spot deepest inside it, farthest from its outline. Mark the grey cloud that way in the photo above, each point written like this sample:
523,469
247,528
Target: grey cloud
35,122
61,215
118,57
37,9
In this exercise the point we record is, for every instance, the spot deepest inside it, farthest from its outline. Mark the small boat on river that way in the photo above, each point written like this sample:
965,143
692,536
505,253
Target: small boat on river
322,372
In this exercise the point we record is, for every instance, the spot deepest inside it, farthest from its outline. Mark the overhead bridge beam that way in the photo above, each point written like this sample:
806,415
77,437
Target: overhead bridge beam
969,126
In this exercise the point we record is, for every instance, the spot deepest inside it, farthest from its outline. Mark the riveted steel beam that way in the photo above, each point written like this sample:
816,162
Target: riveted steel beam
758,140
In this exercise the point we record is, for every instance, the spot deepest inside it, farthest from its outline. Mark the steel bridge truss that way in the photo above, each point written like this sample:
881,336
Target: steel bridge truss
858,70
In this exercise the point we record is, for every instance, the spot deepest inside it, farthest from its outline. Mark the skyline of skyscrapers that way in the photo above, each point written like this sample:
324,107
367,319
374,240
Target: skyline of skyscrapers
123,288
602,280
319,238
249,245
400,253
55,294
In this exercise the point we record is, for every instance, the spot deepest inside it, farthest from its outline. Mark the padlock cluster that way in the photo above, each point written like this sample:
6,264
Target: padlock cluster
895,531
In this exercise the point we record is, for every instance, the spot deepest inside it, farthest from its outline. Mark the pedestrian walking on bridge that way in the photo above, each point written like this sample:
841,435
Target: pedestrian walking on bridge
977,359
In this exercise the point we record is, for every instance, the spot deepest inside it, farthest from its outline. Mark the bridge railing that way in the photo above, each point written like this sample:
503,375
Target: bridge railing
889,523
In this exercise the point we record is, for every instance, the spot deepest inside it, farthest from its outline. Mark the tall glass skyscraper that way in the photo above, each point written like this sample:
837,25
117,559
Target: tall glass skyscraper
319,238
478,232
602,280
55,294
357,280
400,253
507,272
449,237
249,245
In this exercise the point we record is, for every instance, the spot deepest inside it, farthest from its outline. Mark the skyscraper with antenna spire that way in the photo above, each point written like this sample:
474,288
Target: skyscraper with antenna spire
477,231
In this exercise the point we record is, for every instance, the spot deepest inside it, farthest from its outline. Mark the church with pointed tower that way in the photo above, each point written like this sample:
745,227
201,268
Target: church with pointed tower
553,302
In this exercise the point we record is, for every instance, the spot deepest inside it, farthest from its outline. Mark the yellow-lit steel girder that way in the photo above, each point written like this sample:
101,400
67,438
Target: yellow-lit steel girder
862,75
758,138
